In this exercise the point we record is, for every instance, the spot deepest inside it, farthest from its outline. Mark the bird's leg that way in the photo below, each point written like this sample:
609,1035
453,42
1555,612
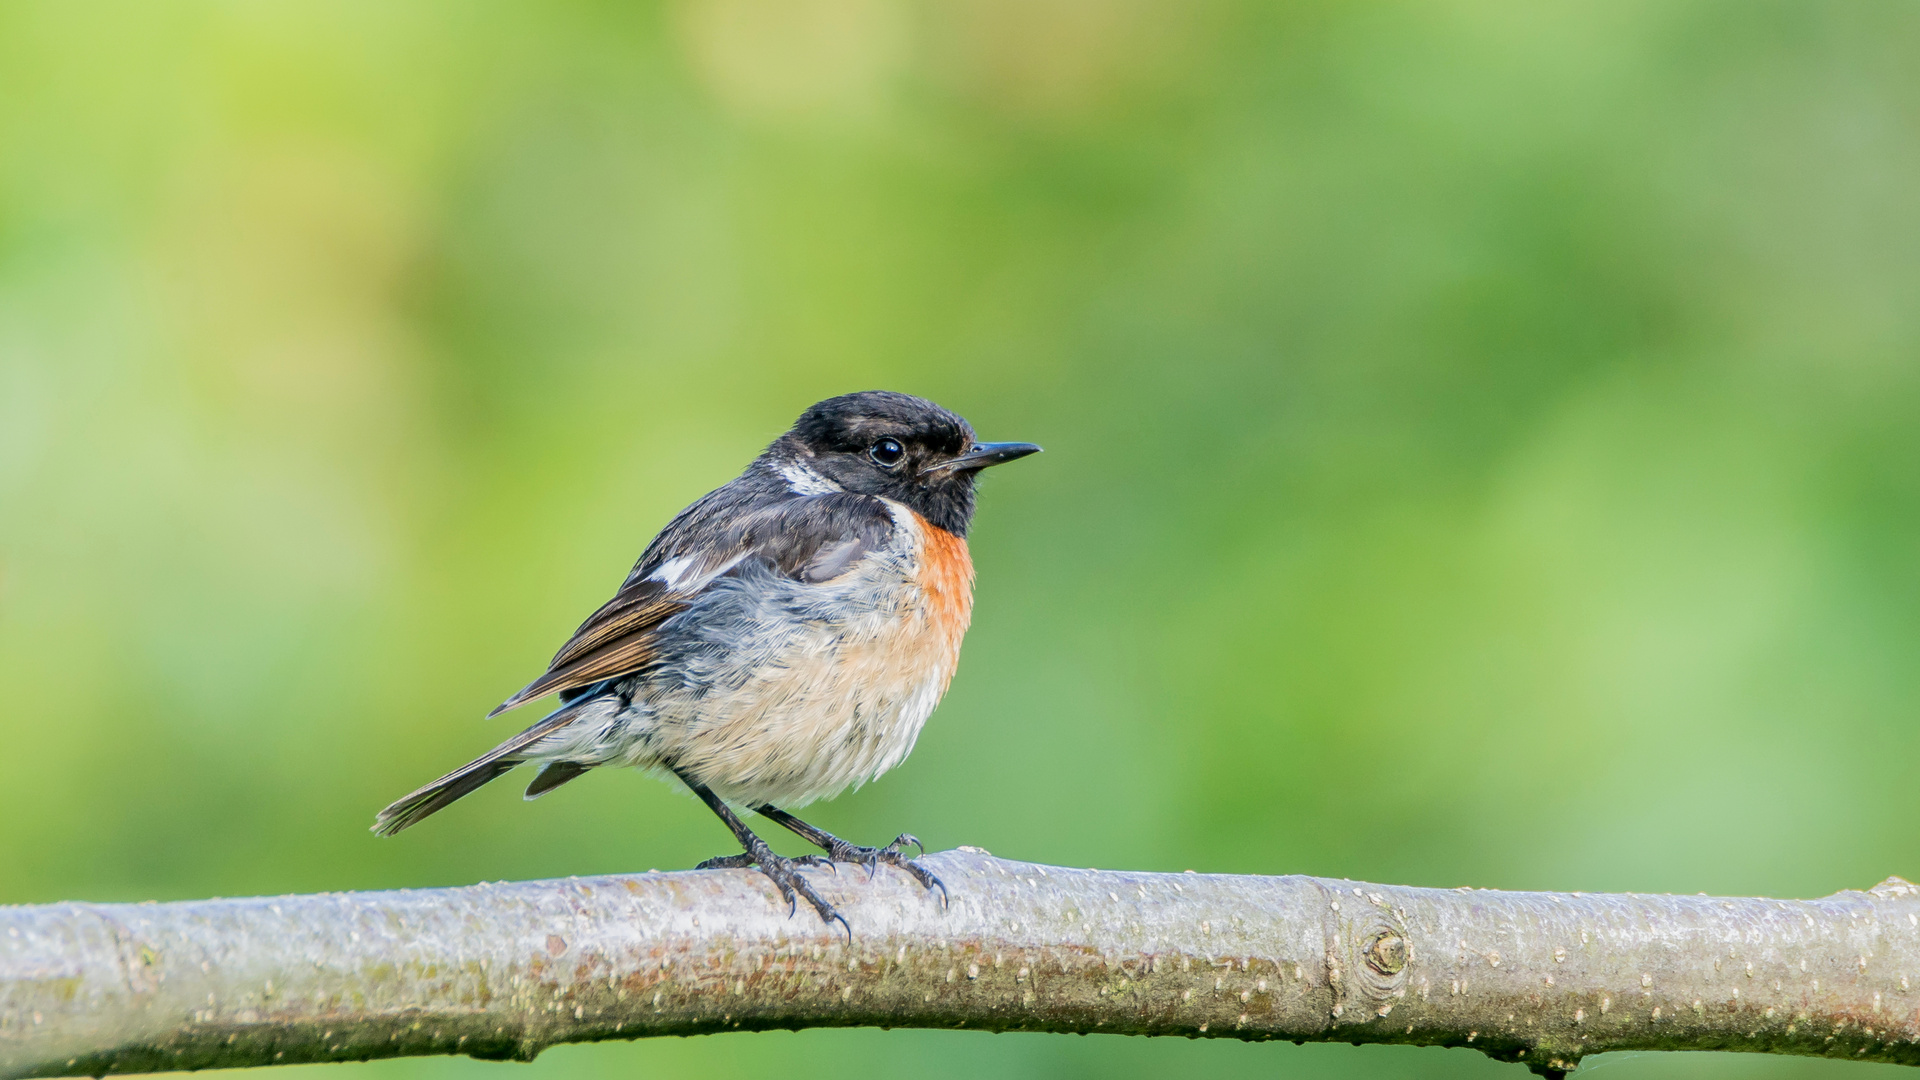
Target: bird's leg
839,850
757,853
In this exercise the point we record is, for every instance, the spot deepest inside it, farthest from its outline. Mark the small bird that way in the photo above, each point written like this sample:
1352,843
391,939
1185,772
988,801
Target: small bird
783,638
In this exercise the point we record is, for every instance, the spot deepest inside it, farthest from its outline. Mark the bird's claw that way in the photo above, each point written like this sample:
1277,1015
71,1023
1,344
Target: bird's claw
892,855
786,877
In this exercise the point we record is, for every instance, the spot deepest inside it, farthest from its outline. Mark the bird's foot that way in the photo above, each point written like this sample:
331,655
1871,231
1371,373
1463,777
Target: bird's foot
893,855
786,877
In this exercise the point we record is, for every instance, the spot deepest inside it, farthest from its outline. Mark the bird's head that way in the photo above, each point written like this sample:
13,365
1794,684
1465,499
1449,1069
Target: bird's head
896,446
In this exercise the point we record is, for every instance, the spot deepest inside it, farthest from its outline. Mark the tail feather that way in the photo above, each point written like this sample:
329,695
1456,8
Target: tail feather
555,774
411,808
472,776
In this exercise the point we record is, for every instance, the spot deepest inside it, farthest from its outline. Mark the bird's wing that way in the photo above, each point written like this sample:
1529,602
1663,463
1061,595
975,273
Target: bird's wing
809,539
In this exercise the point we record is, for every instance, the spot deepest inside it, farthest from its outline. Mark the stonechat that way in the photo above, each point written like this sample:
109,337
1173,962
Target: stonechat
782,640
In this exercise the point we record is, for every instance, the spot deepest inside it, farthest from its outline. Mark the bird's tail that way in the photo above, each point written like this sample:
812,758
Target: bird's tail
470,777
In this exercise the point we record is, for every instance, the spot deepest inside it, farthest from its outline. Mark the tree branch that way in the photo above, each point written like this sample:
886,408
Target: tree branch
503,971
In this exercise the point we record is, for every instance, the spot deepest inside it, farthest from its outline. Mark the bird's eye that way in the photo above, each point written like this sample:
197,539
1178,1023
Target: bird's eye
887,453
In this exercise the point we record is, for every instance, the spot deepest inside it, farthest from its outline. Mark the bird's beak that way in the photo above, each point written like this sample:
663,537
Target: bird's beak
984,454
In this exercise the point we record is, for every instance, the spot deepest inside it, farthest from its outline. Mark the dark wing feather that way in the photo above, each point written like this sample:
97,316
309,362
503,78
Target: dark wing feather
818,539
635,607
810,539
613,641
833,560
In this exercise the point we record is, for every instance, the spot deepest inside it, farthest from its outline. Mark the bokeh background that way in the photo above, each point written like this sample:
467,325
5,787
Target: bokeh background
1482,440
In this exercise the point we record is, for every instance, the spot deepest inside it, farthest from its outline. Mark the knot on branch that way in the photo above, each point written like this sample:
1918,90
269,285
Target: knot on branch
1369,955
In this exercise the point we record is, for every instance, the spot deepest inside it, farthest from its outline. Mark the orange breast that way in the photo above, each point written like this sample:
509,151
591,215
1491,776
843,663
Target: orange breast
946,577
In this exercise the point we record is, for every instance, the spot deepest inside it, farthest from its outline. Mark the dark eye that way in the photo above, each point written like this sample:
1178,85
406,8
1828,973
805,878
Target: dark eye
887,453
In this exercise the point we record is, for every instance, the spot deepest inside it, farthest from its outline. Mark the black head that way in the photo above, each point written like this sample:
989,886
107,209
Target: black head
896,446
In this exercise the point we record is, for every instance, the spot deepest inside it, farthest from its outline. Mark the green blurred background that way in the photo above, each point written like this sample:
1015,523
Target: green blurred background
1481,437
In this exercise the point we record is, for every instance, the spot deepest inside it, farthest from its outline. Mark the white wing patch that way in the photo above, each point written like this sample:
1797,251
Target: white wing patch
802,480
688,574
671,571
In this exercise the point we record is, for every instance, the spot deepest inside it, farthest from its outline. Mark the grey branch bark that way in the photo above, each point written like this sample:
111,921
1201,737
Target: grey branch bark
503,971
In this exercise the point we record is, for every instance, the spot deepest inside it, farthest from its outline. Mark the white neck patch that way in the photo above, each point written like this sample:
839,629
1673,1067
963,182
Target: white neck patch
802,480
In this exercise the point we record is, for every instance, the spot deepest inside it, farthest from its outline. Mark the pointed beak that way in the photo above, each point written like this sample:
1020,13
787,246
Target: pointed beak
985,454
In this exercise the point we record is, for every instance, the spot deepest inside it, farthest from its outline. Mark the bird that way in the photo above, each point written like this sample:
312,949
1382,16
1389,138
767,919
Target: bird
783,639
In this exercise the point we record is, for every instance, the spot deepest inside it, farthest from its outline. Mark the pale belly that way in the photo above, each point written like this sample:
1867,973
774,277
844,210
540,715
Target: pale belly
771,691
831,712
